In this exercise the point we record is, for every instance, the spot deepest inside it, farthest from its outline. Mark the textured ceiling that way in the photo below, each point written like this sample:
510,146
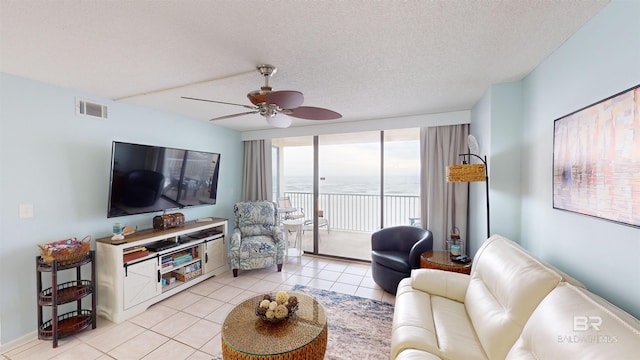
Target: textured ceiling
364,59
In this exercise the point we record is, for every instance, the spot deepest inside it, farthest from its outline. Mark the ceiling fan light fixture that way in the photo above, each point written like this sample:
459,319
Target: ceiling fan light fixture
279,121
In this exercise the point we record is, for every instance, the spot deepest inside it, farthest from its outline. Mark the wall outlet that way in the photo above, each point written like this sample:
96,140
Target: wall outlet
26,211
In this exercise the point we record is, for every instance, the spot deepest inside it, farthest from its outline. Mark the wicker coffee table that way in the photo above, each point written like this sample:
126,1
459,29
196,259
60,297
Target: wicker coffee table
303,336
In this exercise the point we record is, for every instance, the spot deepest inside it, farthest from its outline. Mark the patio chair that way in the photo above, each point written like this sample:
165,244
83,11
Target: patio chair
256,240
322,222
287,211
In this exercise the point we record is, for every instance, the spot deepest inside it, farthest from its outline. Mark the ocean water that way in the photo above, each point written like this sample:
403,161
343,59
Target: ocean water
364,185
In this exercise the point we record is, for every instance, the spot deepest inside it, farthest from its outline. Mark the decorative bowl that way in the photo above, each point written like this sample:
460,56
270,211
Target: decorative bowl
276,308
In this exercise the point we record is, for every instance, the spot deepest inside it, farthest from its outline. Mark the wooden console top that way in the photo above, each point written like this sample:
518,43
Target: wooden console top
139,235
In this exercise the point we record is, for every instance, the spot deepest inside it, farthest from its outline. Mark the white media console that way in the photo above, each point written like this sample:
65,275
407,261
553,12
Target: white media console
135,273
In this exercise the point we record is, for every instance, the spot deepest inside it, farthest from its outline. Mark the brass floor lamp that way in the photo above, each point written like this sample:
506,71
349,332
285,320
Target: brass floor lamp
467,172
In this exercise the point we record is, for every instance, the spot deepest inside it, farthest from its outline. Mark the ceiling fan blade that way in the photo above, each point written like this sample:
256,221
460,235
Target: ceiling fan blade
313,113
286,99
235,115
219,102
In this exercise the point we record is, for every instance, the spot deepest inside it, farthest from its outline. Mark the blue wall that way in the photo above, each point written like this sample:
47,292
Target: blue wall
496,123
600,60
60,163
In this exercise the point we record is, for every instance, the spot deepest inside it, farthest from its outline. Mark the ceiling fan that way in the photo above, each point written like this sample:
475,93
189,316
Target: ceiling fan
276,106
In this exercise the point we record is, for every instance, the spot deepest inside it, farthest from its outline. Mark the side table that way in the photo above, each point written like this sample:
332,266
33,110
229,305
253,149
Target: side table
57,294
440,260
289,226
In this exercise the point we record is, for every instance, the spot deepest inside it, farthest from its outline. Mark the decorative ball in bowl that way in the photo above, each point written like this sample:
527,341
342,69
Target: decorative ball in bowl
278,307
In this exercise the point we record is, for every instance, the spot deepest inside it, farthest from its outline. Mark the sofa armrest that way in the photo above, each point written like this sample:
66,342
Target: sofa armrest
278,235
447,284
281,245
236,237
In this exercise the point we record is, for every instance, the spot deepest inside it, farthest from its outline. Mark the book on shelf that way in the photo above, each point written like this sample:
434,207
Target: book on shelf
133,249
182,259
189,268
135,253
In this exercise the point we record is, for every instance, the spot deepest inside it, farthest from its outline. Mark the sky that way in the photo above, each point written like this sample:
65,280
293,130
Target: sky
401,157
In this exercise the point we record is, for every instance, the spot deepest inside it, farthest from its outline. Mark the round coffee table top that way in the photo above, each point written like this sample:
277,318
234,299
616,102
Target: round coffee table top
246,333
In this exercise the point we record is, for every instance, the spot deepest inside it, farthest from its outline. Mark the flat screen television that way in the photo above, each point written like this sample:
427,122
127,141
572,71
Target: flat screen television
147,179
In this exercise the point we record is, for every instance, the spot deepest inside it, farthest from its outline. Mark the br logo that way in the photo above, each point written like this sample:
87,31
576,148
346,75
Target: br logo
583,323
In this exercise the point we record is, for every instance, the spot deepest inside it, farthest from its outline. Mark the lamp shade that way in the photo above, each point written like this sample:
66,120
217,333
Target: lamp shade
466,173
279,121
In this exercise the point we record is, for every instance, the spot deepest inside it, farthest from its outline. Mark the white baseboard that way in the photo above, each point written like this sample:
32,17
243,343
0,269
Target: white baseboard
14,344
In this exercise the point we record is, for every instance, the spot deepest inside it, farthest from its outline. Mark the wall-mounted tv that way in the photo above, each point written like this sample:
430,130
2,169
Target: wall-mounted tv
147,178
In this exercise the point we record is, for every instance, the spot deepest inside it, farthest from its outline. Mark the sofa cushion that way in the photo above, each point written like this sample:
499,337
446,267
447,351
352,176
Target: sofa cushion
396,260
413,326
431,324
572,323
253,246
506,286
413,354
256,218
447,284
456,336
255,229
565,277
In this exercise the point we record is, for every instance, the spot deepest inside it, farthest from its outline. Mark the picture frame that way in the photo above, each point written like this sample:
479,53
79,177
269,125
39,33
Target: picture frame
596,159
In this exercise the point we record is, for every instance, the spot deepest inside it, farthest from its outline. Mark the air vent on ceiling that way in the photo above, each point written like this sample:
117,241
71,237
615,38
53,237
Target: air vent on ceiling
84,107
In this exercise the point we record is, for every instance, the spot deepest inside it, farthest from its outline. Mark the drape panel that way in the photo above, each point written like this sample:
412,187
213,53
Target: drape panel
444,205
256,174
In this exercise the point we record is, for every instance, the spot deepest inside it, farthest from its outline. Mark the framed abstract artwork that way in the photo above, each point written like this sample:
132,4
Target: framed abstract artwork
596,159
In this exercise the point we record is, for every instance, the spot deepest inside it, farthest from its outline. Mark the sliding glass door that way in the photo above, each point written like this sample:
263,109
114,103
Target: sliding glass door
349,185
349,193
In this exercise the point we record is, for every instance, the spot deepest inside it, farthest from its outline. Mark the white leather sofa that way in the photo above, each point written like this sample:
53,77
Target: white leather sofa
512,306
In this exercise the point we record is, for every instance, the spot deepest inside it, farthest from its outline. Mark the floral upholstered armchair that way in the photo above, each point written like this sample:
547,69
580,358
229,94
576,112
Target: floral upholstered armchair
256,240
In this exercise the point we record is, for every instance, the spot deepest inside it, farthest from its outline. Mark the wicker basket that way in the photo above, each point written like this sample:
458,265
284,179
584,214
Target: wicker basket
292,308
72,251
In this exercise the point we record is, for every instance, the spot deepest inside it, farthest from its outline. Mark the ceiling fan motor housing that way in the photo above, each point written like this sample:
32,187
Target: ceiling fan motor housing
259,96
269,110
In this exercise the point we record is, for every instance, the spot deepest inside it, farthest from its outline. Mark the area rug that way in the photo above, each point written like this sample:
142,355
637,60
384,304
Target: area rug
359,328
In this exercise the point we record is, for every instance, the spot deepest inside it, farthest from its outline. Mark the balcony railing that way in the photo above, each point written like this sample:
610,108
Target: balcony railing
360,212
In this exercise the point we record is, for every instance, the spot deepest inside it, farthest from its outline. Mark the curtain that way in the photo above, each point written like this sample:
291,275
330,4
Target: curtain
256,175
444,205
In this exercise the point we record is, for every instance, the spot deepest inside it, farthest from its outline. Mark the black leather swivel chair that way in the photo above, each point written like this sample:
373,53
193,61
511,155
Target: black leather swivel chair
395,251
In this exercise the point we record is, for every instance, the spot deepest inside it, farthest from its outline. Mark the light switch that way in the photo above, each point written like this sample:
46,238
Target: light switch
26,211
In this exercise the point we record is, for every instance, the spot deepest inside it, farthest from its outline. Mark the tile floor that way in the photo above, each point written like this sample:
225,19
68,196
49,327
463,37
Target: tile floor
187,325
